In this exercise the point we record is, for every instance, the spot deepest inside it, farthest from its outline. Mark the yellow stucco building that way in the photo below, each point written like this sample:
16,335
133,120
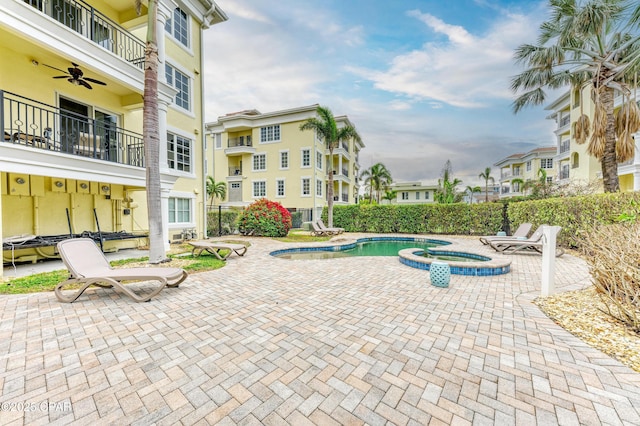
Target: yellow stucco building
266,155
71,87
517,169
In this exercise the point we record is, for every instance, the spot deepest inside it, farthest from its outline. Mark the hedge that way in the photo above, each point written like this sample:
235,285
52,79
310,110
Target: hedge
229,222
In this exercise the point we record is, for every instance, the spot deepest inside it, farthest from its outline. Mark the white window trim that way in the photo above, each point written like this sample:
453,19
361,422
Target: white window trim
311,190
192,138
319,155
319,183
175,65
253,195
180,225
261,142
288,159
214,141
284,187
253,163
177,42
302,150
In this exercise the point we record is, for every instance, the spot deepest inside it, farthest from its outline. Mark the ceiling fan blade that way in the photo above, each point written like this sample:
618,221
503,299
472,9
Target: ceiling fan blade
93,80
54,68
85,84
60,76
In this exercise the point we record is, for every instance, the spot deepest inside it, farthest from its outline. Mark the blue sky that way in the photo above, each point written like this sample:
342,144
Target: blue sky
423,81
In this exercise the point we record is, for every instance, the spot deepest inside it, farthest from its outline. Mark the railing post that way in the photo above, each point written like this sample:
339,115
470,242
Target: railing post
2,110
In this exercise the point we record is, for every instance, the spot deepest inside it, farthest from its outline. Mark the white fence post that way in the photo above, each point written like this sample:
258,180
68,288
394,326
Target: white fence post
549,258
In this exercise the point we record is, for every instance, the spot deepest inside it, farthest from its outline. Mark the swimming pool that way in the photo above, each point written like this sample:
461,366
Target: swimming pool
374,246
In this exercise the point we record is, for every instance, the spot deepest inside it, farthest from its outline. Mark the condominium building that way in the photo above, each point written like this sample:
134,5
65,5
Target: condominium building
517,169
266,155
574,164
71,89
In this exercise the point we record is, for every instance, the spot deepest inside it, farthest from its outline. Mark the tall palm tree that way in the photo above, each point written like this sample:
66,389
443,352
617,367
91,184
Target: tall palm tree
591,44
486,175
377,178
151,136
327,130
215,190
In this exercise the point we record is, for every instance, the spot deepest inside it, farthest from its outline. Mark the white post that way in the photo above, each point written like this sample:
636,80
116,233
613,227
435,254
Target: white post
548,258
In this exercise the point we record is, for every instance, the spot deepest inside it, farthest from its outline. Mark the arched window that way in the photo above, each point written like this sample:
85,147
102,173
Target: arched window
575,160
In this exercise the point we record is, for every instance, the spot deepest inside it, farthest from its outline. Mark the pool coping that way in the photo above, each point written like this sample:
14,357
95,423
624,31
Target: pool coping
494,266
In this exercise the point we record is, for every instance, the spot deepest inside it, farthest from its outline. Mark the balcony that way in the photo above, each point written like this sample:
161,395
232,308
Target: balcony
239,146
565,146
40,126
95,26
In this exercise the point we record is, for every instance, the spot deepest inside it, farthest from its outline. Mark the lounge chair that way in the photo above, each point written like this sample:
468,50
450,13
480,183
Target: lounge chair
317,231
88,266
533,243
333,231
522,231
215,248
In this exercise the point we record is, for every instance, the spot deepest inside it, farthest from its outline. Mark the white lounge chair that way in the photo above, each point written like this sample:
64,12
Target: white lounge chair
88,266
334,231
522,231
216,248
533,243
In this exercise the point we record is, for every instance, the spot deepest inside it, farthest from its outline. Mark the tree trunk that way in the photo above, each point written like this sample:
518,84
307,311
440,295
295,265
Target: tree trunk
150,125
609,160
329,189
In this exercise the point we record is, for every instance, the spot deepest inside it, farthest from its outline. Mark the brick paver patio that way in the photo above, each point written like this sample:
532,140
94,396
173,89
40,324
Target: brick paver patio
345,341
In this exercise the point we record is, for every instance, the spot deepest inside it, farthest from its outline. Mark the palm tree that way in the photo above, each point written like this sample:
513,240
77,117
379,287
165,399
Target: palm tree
472,190
486,175
446,192
151,136
519,182
592,44
327,130
377,178
215,190
390,195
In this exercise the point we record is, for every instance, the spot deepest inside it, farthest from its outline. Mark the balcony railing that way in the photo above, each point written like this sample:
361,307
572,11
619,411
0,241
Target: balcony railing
94,25
241,141
564,174
235,171
345,146
564,121
37,125
565,146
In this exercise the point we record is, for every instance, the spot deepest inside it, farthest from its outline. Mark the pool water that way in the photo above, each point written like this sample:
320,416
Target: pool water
452,258
367,248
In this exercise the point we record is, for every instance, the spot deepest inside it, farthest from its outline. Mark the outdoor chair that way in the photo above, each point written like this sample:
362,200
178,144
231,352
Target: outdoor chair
317,231
216,248
88,266
521,232
531,244
331,231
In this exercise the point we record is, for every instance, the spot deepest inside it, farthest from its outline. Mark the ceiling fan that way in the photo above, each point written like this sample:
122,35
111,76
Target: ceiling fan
74,75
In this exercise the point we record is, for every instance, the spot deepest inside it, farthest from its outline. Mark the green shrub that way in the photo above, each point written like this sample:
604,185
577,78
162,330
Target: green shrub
265,218
228,219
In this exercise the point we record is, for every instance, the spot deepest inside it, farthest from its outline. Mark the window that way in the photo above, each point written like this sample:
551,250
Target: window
306,186
181,83
259,189
546,163
235,185
178,26
318,160
306,158
284,159
417,195
259,162
179,210
528,166
280,187
549,179
270,133
405,195
319,188
426,195
218,138
178,153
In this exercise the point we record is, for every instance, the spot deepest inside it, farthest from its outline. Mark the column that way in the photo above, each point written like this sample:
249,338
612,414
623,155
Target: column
165,12
164,200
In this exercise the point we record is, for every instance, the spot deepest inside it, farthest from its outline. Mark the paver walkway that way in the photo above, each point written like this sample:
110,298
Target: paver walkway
346,341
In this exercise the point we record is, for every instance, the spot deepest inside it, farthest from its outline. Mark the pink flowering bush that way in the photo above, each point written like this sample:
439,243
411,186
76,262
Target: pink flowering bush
265,218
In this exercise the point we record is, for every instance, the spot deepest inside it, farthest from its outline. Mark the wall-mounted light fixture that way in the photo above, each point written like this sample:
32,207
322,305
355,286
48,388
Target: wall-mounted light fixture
84,185
59,184
105,188
20,180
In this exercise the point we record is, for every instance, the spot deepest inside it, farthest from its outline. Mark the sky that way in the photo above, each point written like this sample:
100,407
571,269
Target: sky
423,81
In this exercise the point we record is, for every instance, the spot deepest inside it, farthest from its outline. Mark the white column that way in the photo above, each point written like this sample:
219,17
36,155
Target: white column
163,107
164,202
164,14
548,259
